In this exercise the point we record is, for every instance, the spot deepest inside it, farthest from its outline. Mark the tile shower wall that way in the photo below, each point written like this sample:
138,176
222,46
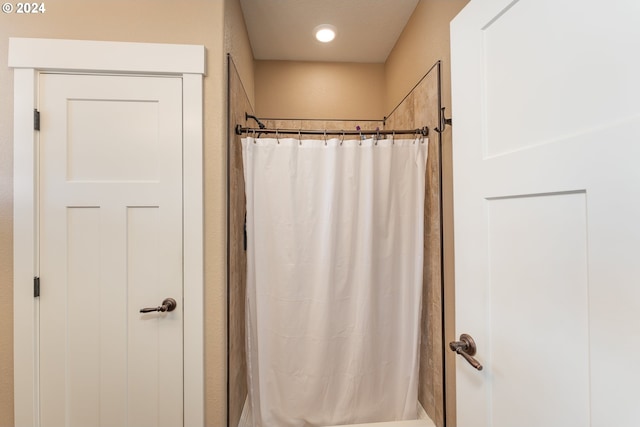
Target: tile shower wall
420,108
237,256
336,125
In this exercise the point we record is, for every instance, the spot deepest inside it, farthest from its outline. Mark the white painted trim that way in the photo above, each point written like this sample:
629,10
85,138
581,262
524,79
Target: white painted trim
24,250
28,57
114,57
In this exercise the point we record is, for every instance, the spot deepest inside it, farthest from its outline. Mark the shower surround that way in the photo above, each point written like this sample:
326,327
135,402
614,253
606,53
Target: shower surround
419,108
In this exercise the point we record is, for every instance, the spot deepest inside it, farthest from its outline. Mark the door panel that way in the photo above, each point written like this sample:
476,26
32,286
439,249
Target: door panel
555,69
546,201
539,308
120,154
110,244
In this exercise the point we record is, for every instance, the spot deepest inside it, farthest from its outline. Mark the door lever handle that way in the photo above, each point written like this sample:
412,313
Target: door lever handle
466,348
169,304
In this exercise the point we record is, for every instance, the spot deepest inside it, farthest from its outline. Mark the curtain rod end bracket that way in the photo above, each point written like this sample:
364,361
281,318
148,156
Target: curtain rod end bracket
443,121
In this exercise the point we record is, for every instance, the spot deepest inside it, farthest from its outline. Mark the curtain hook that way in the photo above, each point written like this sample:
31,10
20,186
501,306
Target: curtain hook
393,137
325,137
300,137
377,137
360,136
342,139
254,136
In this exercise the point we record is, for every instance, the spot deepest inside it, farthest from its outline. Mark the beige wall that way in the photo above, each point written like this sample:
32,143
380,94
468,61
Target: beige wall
424,41
313,90
360,90
193,22
236,44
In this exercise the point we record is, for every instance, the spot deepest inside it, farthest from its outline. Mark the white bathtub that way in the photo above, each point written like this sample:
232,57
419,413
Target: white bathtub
408,423
422,421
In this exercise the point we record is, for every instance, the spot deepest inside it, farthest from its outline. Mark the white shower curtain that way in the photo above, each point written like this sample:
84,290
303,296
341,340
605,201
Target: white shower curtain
335,250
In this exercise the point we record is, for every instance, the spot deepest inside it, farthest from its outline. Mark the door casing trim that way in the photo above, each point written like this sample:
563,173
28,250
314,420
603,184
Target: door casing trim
29,57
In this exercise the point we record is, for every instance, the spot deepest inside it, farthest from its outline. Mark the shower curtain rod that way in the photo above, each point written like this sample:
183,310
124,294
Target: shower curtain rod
424,131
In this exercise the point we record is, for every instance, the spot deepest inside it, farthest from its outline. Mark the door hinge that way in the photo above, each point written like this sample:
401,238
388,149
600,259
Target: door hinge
36,120
36,287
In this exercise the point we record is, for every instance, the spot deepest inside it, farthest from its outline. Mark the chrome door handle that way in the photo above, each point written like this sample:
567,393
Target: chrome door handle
169,304
466,348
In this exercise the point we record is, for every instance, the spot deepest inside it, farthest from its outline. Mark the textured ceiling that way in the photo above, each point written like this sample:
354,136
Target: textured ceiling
367,30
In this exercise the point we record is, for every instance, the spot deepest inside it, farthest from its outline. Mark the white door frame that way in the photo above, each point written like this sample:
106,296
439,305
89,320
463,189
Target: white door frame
29,57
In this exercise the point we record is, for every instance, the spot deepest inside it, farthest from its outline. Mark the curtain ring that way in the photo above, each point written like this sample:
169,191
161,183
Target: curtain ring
377,137
393,137
342,139
360,136
277,136
254,136
300,137
325,137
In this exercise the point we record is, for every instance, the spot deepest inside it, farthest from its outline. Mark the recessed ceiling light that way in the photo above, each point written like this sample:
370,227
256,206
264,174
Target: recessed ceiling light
325,33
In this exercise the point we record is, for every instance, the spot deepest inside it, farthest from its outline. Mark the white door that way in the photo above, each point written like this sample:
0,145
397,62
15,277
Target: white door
110,218
546,145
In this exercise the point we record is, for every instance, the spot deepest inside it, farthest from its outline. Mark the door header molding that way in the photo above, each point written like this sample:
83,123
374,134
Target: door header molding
95,56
